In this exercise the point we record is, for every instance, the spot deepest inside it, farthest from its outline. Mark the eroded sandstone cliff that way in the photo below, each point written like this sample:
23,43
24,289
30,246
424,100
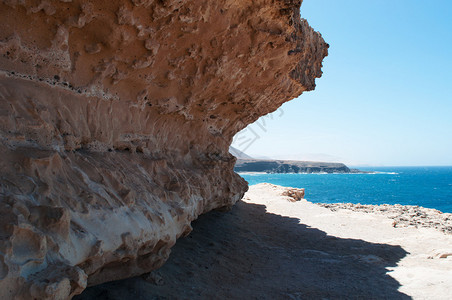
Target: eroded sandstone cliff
115,123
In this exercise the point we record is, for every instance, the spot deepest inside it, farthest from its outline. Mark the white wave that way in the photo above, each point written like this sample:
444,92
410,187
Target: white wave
251,173
385,173
320,173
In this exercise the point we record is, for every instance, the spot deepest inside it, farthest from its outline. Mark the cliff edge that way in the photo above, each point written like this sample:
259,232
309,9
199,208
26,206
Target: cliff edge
115,123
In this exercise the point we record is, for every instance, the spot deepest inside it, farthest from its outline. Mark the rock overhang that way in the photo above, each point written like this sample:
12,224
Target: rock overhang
115,123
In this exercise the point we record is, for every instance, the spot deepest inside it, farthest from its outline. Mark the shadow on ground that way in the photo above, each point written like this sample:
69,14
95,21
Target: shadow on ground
248,253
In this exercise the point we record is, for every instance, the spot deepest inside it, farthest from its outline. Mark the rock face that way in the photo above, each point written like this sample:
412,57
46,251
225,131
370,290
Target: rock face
290,166
115,123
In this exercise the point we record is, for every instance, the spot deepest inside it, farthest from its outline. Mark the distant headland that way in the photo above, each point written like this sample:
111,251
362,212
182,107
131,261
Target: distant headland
291,166
246,163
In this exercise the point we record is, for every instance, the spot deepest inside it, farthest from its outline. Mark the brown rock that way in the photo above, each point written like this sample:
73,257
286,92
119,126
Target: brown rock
115,123
294,194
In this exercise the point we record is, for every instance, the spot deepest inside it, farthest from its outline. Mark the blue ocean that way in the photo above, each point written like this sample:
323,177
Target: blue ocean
424,186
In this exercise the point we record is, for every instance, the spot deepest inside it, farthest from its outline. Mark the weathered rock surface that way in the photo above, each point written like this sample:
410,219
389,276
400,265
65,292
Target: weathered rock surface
115,123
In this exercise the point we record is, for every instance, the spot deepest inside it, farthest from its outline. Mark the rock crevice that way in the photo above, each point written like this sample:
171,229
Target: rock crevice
115,123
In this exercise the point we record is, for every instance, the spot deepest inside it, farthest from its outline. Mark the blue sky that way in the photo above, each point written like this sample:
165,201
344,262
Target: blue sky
385,97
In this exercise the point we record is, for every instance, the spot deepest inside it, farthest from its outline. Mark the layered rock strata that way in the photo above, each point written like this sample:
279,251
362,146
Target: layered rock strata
115,123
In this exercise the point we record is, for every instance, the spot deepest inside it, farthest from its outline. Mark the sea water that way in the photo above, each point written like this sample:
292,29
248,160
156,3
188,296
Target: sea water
424,186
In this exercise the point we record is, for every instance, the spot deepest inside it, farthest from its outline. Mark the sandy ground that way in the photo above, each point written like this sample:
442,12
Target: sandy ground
268,247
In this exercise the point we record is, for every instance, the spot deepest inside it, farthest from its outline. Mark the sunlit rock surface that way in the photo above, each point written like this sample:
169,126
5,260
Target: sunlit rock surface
115,123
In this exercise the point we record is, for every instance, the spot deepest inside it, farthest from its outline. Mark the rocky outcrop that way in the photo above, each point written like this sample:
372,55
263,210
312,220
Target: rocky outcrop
115,123
403,215
290,166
